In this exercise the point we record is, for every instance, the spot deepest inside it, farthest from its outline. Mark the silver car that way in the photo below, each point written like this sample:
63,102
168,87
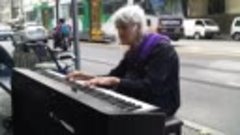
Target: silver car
6,38
32,32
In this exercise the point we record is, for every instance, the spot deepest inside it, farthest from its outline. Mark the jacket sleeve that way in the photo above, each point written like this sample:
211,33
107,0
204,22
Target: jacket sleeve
163,62
120,70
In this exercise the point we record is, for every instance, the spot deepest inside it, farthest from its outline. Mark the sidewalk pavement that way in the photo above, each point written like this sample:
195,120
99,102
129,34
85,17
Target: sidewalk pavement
5,111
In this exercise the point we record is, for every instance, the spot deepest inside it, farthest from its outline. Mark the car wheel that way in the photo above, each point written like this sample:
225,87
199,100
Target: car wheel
197,36
45,41
175,39
209,37
236,36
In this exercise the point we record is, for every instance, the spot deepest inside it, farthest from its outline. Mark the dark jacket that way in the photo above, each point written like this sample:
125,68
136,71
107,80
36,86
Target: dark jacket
5,58
154,79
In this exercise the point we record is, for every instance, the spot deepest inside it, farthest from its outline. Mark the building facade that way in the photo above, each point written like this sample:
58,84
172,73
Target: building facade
232,6
209,7
5,14
40,11
222,11
44,11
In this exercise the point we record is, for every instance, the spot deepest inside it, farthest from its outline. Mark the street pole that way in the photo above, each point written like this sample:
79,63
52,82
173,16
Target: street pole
12,9
22,11
76,35
185,8
57,11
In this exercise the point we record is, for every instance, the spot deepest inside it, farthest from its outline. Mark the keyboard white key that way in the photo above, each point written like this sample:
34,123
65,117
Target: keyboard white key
114,98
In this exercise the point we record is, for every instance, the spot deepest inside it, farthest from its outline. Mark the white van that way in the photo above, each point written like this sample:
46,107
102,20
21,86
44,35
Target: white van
200,28
235,28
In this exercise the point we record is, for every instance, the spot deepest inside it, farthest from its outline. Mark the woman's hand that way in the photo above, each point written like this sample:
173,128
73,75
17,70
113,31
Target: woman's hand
78,75
103,81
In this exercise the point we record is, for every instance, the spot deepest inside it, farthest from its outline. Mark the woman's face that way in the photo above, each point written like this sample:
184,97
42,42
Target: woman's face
128,33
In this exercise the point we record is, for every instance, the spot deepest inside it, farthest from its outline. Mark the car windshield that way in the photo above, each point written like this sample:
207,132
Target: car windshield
210,22
31,25
167,7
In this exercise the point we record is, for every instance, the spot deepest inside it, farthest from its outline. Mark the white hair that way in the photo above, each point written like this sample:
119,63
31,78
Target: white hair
131,14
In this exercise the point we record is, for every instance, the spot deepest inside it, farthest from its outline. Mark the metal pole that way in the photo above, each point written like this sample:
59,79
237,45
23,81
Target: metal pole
185,7
76,34
57,11
12,9
22,11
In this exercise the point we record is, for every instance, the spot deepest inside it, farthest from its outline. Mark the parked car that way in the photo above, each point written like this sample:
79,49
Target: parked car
6,38
6,45
32,32
235,28
171,26
5,30
200,28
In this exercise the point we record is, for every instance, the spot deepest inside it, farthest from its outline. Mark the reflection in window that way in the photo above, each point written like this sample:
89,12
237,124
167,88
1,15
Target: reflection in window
210,23
51,12
161,7
80,9
213,9
237,23
167,7
148,7
110,6
31,15
65,11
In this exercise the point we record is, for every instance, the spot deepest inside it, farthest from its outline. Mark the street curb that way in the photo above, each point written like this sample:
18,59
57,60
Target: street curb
199,129
196,51
231,86
187,64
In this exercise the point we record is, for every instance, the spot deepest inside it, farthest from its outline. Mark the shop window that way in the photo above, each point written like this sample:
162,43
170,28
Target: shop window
216,7
80,9
31,15
110,6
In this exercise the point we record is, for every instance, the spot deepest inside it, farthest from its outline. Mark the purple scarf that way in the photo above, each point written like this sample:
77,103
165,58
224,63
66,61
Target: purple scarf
150,41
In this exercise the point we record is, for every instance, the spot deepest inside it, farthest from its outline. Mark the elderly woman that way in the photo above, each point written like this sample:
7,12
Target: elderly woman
149,70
